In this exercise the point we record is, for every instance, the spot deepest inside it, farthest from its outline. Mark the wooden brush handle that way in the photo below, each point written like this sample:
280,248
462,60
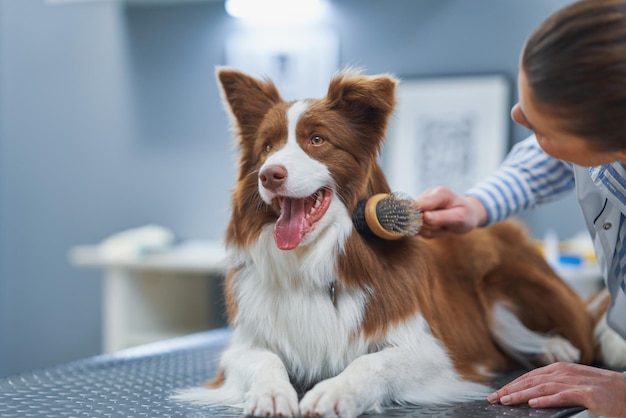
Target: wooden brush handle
372,219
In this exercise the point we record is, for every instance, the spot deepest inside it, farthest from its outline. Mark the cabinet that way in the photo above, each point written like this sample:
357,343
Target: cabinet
159,295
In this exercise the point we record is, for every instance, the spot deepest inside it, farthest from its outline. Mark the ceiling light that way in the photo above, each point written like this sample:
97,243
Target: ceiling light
274,10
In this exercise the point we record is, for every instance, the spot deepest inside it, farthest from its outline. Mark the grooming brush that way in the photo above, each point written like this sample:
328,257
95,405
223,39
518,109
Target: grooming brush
389,216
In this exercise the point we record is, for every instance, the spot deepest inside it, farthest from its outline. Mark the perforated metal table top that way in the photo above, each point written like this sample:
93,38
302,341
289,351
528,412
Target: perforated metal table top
138,382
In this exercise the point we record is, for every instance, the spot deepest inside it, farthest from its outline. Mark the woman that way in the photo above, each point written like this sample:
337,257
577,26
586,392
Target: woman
572,94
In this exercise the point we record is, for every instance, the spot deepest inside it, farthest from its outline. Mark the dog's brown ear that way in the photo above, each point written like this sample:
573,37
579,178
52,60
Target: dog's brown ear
367,100
248,98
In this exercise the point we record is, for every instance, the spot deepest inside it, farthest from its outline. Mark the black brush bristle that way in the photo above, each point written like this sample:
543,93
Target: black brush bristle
358,219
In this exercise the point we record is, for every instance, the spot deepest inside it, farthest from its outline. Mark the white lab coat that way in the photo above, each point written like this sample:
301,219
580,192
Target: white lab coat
602,212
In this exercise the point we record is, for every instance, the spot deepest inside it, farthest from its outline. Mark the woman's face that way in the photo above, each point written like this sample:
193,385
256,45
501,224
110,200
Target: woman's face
551,137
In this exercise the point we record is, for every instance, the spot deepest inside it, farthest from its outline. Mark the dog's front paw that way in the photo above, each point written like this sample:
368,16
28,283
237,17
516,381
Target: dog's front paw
272,399
558,349
332,398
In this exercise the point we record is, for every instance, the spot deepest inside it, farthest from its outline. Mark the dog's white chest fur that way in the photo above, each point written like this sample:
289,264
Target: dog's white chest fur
285,305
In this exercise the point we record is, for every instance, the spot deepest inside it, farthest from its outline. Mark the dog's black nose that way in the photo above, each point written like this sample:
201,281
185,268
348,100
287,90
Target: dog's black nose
273,177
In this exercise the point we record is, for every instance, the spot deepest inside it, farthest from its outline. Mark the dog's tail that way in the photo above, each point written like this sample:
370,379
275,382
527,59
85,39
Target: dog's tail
610,347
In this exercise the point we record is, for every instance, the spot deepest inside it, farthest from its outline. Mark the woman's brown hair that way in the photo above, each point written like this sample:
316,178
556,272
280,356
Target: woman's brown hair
575,64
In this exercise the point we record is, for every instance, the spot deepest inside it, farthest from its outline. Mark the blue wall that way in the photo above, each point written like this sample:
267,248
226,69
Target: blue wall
110,119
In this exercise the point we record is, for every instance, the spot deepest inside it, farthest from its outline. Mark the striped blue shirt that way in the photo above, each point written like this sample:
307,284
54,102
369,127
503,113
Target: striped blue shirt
529,177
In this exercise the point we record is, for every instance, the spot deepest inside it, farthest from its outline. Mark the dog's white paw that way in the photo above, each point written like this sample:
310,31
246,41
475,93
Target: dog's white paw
559,349
273,399
612,346
331,398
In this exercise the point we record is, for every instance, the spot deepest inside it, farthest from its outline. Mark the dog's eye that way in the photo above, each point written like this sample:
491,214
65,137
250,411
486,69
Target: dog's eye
316,140
268,147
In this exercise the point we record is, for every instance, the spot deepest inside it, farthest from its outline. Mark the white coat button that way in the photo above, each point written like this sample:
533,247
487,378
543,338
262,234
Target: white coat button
607,226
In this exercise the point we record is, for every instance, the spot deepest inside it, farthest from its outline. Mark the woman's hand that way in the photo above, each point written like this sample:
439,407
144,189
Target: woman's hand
445,212
601,391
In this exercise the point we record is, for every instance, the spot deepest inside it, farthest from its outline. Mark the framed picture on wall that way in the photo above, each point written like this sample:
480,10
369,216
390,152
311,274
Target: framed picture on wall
447,131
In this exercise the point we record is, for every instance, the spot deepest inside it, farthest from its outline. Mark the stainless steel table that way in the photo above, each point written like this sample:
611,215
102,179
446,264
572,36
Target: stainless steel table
137,382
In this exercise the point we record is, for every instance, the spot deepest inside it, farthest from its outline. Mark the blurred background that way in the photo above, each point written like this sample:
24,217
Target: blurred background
110,118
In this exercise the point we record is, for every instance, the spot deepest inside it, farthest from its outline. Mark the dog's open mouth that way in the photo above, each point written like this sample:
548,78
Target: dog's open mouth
298,217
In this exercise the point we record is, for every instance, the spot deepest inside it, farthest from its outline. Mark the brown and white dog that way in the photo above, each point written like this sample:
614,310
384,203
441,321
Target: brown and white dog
327,322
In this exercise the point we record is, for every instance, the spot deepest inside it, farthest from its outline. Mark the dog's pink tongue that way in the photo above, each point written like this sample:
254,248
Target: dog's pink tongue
289,227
